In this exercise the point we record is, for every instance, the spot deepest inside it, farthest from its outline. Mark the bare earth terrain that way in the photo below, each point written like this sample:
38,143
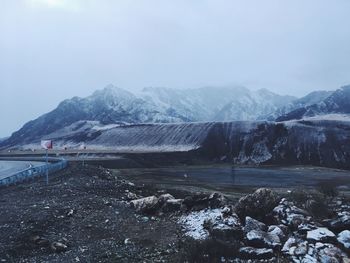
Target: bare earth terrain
91,214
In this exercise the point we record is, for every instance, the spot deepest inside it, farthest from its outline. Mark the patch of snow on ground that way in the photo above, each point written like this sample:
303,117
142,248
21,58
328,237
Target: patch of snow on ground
193,222
105,127
330,117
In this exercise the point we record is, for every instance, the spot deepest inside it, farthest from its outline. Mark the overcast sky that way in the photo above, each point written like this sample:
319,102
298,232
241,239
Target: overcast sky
55,49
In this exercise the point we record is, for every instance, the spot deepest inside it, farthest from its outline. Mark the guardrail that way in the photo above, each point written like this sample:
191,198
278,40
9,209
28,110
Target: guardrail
54,165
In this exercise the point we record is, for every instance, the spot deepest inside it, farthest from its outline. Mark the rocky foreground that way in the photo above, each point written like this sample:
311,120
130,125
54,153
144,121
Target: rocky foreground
90,214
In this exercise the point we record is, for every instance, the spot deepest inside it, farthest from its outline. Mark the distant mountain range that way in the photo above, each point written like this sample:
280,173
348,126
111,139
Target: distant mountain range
338,102
115,106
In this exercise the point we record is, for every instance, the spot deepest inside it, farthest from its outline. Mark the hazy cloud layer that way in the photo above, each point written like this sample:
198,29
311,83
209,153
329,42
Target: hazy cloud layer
54,49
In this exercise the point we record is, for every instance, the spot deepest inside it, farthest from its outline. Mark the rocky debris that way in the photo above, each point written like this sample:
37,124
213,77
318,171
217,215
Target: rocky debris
255,253
341,222
288,214
302,251
252,224
344,238
330,253
262,239
256,205
294,233
146,204
321,234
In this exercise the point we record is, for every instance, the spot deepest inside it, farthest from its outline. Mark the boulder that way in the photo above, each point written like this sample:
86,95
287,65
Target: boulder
295,220
146,204
252,224
225,227
261,239
255,253
344,238
321,234
256,205
276,230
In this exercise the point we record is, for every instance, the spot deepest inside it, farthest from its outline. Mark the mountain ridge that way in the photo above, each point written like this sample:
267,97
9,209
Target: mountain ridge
116,106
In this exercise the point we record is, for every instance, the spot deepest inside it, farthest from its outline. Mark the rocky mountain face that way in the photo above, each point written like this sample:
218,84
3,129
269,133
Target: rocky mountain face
337,102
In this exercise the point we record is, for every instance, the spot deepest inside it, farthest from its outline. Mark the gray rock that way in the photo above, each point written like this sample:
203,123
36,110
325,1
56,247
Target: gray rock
252,224
255,253
276,230
331,254
344,238
305,227
321,234
288,244
256,205
342,222
258,238
162,199
225,227
301,249
294,220
309,259
145,204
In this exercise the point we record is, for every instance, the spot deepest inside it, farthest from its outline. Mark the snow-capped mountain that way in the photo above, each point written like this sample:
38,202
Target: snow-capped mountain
310,99
216,103
338,102
251,105
111,105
